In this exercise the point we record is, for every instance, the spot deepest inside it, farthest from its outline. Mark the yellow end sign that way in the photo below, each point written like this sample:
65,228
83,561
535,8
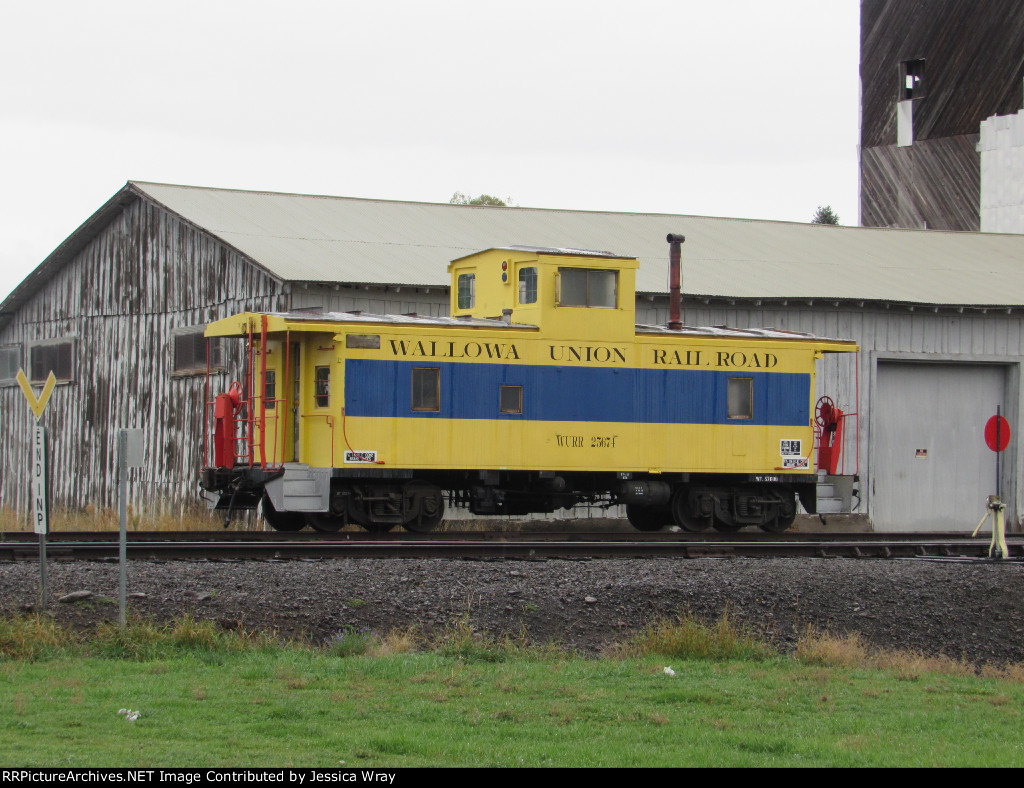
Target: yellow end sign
37,404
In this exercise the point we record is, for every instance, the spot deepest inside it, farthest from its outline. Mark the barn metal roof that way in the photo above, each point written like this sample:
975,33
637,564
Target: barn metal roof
309,238
337,239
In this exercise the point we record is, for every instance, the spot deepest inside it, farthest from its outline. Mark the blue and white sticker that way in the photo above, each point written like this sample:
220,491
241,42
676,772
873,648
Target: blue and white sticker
360,457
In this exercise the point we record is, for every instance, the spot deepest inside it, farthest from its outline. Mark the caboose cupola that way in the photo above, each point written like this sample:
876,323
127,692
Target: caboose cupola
573,293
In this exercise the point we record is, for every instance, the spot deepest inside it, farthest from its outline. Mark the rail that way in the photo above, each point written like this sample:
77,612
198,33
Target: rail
490,546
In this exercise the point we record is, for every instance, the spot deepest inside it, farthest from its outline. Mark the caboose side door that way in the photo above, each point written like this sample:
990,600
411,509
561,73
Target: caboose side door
293,387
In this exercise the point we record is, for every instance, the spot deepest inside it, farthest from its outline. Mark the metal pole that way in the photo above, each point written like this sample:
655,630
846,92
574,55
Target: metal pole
999,444
122,506
41,506
43,590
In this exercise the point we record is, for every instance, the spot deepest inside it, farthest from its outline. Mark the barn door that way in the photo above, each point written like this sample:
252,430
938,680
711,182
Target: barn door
930,469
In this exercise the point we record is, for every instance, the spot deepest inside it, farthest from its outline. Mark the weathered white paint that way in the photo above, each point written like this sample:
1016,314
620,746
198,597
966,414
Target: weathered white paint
121,296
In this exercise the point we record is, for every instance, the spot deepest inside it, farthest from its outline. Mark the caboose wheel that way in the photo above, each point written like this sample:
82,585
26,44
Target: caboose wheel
427,501
326,523
683,514
785,515
726,528
647,518
281,521
779,524
693,524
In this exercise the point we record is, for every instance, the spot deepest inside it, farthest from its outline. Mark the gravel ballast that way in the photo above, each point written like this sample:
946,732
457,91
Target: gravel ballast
961,609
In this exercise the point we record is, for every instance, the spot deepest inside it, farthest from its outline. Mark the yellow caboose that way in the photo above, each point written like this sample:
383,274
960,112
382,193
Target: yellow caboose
540,392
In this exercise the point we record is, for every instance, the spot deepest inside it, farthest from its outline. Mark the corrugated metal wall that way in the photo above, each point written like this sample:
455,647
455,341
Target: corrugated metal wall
404,300
119,299
915,335
931,469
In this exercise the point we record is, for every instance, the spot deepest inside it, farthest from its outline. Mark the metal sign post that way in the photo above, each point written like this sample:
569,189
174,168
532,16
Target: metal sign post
997,437
39,473
129,455
40,505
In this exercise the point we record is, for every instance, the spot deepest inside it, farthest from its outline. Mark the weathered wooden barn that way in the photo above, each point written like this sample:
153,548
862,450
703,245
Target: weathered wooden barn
118,311
931,71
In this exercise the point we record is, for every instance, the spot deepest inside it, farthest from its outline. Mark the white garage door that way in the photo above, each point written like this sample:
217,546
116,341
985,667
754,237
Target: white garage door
930,468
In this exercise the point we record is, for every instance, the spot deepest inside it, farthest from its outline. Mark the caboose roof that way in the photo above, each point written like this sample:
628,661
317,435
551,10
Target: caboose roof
330,321
548,250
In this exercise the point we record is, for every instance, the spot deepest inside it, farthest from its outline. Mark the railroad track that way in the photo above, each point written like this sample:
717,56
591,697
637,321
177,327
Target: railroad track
238,545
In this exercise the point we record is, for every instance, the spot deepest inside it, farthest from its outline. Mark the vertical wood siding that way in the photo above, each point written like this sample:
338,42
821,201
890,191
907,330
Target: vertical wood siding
974,64
931,185
120,299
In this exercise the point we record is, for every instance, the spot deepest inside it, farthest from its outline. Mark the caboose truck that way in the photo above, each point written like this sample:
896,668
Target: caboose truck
539,393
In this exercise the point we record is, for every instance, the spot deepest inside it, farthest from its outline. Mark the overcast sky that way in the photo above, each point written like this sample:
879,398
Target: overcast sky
744,108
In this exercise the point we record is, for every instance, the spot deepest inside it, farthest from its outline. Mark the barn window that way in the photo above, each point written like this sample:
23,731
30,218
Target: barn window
740,397
467,291
587,287
10,363
322,386
50,357
192,351
426,389
511,400
528,285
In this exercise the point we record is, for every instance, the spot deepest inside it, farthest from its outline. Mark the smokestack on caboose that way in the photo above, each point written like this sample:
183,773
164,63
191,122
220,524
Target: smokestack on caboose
675,281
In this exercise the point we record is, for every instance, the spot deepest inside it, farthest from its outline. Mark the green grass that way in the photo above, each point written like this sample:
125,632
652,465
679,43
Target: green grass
211,698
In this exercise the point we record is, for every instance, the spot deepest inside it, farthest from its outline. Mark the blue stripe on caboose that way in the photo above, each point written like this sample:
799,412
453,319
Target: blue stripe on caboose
383,389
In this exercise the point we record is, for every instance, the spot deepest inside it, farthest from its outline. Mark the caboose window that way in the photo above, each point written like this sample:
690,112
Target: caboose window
467,291
322,386
426,389
270,389
740,398
511,400
528,285
588,287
